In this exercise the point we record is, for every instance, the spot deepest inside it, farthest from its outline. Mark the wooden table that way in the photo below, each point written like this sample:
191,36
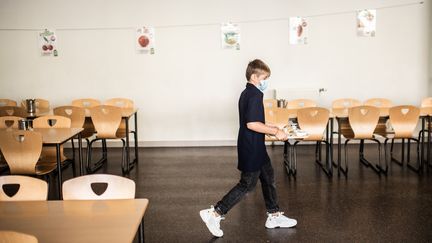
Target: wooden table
76,221
56,137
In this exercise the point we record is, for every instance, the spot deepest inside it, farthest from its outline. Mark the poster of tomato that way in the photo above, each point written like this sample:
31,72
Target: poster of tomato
145,40
230,36
366,23
298,32
48,43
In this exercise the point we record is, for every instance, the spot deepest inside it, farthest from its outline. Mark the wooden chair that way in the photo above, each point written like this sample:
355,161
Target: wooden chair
22,188
344,104
76,115
124,104
381,127
301,103
8,123
110,187
106,120
270,103
363,120
404,120
49,154
22,150
313,120
426,102
41,105
8,102
7,236
88,126
13,111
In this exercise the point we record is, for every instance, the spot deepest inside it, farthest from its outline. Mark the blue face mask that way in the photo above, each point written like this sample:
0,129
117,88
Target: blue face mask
263,85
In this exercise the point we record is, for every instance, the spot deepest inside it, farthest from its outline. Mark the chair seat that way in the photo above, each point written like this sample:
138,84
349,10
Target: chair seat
43,169
50,154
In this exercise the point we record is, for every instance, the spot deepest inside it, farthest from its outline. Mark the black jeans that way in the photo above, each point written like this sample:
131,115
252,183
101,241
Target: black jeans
247,183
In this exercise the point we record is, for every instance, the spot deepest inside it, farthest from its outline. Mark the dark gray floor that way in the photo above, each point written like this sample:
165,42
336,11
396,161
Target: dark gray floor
361,208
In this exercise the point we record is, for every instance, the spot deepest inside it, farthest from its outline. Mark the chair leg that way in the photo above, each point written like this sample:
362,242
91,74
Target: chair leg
393,159
378,168
125,168
93,168
294,159
345,171
419,167
286,155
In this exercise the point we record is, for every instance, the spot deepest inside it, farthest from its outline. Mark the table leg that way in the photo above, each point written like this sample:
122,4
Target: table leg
59,172
428,142
141,232
339,148
422,140
136,136
127,146
81,164
331,147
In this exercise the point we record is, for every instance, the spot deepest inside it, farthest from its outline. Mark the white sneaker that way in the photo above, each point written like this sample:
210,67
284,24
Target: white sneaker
212,222
278,220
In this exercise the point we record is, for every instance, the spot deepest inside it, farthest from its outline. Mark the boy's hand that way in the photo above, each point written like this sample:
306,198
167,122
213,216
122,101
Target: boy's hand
281,135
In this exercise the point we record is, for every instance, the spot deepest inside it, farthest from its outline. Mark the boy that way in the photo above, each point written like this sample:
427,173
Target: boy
253,160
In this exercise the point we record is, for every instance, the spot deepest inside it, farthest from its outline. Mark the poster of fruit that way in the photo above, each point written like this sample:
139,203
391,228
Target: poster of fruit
145,40
48,43
298,31
230,36
366,22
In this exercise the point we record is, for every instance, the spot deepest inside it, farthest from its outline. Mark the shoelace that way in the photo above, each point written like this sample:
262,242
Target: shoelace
277,214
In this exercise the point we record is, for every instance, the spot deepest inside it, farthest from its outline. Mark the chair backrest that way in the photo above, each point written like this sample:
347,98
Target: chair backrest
110,187
270,115
345,103
301,103
21,149
40,104
8,102
52,121
314,121
86,103
7,236
427,102
74,113
282,116
363,120
22,188
270,103
13,111
404,120
379,102
106,120
120,102
9,121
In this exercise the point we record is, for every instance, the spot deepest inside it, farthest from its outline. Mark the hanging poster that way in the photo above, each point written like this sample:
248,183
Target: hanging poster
298,31
48,43
145,40
366,22
230,36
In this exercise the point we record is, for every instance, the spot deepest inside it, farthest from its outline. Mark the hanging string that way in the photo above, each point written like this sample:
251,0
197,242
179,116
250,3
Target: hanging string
214,24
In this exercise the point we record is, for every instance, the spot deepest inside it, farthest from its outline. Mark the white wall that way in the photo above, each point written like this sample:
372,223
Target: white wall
187,92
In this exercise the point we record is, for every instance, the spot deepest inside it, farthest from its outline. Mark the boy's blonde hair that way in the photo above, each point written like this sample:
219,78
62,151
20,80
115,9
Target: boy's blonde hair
257,67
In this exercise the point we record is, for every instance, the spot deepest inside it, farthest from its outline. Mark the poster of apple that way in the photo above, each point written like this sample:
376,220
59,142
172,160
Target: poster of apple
145,40
298,31
230,36
48,43
366,23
